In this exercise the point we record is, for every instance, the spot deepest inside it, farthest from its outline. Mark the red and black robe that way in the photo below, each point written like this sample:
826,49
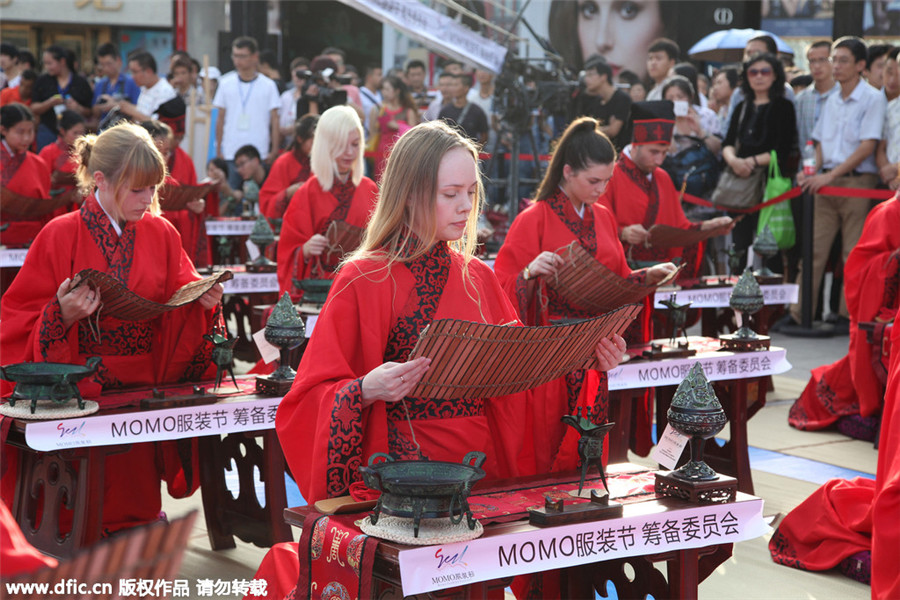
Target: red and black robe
288,169
310,212
148,258
549,225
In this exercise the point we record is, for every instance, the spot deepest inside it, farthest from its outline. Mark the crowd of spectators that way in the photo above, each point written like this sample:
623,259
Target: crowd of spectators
731,117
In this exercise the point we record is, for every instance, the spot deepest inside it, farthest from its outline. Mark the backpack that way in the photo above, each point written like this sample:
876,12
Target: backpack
700,166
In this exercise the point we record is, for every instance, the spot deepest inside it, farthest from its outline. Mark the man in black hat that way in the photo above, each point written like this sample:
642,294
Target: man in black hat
641,194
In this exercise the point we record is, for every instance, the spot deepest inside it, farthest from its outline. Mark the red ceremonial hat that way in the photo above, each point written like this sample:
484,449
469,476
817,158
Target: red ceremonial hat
654,122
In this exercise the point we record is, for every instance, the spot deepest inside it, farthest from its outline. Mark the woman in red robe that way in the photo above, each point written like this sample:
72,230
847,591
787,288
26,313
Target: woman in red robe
337,191
22,172
851,390
289,170
59,159
351,393
44,317
566,210
854,524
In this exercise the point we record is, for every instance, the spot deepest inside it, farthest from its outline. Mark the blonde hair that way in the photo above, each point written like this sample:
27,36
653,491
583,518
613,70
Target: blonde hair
408,196
330,141
127,157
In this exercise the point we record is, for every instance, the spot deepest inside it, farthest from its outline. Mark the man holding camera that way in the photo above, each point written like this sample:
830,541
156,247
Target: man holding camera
248,103
323,87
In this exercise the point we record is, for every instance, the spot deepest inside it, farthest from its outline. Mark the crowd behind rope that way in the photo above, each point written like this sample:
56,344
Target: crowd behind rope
272,153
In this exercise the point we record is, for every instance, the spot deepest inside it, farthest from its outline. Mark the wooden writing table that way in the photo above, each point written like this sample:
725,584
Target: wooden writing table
739,378
685,564
236,428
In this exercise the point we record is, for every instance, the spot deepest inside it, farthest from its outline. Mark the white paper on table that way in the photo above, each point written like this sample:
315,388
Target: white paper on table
252,250
266,350
670,447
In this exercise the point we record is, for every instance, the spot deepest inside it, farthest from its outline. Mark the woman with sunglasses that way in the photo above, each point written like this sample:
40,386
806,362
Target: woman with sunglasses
763,121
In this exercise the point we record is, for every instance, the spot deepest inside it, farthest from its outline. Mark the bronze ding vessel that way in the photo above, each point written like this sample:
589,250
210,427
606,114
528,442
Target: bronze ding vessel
420,489
48,381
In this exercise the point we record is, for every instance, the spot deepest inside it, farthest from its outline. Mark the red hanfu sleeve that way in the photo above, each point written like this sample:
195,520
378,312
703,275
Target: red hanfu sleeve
296,229
272,193
522,245
323,429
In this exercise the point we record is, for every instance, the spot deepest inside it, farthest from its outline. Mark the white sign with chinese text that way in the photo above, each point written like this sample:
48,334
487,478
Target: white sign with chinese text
718,297
12,257
644,531
436,31
153,425
717,366
228,227
251,283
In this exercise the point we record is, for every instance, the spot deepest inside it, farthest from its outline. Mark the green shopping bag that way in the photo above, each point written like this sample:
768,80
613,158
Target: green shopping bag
778,216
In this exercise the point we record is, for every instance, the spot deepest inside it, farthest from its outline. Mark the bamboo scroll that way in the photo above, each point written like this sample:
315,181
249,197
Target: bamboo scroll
476,360
121,303
176,197
586,283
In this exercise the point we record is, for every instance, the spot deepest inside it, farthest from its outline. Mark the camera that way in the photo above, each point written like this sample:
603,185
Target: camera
327,96
526,84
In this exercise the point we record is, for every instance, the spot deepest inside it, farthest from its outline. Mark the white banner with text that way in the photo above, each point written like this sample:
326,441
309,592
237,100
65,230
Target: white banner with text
153,425
718,297
644,531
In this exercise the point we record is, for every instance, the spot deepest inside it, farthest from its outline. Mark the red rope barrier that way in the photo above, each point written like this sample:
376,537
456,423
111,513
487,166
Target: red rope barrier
794,192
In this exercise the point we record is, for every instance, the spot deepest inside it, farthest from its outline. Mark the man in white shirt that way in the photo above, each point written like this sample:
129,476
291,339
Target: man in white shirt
370,92
846,136
661,57
155,90
248,104
888,154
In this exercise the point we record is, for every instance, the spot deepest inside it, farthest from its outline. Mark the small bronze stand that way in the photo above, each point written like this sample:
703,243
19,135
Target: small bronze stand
672,348
286,331
746,299
696,413
590,450
222,354
263,236
766,246
735,260
158,399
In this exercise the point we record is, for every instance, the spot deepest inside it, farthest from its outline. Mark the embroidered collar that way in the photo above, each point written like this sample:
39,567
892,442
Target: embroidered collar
634,173
10,162
582,227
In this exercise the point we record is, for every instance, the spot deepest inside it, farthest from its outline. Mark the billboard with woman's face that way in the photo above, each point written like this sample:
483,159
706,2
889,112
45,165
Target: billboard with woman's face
622,30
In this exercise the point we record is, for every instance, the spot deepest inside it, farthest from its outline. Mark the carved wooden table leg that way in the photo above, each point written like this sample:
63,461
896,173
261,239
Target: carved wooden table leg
70,480
243,516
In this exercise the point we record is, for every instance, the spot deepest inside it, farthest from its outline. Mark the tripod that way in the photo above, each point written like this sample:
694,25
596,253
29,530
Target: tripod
512,180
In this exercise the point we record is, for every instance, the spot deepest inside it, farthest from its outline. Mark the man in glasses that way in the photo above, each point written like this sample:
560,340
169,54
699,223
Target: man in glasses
846,135
811,100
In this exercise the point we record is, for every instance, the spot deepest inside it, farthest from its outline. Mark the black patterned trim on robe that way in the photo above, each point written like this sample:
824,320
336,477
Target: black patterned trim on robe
891,282
117,250
345,442
343,193
585,233
117,338
9,165
52,334
782,552
650,187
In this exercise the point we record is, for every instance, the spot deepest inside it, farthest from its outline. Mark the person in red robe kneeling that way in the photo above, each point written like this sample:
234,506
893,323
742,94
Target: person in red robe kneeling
45,318
22,172
289,171
351,395
566,210
337,191
854,524
851,390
